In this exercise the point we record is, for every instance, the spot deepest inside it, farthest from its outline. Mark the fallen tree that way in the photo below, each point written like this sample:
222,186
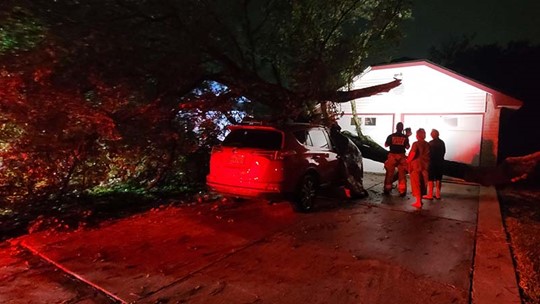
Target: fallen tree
510,170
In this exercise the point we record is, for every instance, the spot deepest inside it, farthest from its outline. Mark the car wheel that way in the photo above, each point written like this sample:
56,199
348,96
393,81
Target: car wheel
305,196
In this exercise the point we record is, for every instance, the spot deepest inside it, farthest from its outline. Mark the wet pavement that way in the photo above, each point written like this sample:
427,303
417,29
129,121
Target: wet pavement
374,250
25,278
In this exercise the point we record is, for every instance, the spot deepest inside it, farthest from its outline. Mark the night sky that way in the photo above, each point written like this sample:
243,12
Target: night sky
493,21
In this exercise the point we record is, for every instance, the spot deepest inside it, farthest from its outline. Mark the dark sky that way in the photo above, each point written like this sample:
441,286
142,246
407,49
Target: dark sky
493,21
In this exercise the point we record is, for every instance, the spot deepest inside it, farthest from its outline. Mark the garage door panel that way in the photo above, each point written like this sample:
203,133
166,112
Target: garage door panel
462,134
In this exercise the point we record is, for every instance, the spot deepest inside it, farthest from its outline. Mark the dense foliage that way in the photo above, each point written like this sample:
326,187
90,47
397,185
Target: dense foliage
125,94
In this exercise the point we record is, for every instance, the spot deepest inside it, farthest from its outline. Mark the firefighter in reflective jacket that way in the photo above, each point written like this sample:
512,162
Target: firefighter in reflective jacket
398,143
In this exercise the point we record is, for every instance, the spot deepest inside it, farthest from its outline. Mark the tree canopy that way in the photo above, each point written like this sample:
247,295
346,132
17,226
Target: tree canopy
101,93
284,54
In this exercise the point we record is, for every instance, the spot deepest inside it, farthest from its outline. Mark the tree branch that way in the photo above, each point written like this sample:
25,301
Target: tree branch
338,23
344,96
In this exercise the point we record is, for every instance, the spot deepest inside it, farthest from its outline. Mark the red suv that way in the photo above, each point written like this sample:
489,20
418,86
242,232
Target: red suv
290,161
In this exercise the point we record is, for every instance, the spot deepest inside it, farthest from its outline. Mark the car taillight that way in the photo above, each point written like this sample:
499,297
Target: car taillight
282,154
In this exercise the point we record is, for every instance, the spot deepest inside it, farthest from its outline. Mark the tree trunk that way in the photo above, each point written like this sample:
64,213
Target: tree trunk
511,170
368,147
355,119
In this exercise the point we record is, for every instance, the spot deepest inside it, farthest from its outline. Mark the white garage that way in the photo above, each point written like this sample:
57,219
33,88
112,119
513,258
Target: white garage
465,112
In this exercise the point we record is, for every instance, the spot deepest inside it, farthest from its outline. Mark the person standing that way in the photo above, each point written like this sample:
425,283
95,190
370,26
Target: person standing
408,133
418,160
398,143
437,150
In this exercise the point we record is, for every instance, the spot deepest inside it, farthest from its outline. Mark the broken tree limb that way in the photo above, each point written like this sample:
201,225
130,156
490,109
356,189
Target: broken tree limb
344,96
511,170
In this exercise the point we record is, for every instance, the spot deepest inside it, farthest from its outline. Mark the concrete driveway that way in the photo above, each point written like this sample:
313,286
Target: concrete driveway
374,250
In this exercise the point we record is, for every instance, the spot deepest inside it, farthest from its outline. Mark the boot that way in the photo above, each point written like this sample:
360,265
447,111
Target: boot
417,204
429,194
438,189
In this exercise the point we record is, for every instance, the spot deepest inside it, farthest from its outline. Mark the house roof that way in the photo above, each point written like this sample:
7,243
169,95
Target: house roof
500,99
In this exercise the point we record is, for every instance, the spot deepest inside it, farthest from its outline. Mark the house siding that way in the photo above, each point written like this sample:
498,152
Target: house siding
490,133
423,90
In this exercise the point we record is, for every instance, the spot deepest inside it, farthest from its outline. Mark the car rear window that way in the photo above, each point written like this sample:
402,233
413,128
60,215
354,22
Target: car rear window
253,138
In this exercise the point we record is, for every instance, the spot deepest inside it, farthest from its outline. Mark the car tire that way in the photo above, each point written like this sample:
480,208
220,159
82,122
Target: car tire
306,193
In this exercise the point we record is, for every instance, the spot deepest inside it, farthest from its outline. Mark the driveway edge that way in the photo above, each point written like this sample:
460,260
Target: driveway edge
494,276
68,272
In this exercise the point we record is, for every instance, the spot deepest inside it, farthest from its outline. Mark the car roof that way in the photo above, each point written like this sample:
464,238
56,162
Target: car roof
271,126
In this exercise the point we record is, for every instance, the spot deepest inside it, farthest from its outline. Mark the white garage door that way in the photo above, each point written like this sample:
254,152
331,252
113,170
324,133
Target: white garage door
462,134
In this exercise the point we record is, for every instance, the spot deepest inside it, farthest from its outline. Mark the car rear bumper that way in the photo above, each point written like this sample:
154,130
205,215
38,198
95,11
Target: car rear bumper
252,190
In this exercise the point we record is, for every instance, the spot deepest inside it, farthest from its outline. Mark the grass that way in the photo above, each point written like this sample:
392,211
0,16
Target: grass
520,206
75,212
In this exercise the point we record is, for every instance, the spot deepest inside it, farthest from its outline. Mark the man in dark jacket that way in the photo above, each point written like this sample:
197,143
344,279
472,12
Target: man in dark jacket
436,163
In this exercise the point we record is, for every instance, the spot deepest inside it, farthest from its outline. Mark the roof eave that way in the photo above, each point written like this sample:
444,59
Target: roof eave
505,101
